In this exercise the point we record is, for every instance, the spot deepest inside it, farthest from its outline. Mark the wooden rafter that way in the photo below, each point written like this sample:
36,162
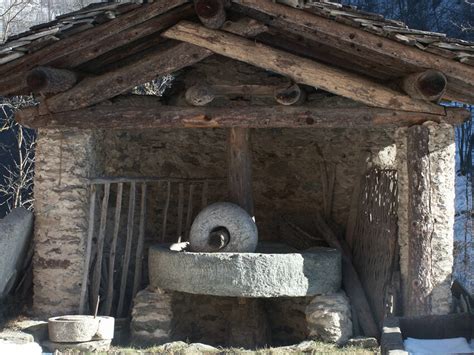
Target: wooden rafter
93,90
299,69
157,116
167,59
357,41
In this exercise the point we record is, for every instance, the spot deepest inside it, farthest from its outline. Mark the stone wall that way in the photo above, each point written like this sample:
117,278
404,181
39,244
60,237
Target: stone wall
64,161
288,166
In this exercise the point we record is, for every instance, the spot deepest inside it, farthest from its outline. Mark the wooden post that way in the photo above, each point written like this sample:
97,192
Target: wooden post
88,251
240,168
420,224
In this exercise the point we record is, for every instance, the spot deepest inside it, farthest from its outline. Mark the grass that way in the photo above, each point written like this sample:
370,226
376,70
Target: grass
315,348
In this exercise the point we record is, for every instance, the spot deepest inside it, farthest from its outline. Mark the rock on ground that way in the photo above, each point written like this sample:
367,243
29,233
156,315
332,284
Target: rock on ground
329,318
15,232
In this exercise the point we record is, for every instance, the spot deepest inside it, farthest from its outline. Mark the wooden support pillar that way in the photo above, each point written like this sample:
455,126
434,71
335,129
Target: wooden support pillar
420,224
240,168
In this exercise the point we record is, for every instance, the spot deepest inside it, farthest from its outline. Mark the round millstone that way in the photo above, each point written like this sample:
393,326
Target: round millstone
239,228
79,328
294,274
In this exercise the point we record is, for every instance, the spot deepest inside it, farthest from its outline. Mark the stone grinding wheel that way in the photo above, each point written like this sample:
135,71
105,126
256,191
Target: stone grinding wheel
79,328
233,224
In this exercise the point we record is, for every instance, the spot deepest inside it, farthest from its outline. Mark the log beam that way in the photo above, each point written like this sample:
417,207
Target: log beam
299,69
47,80
201,94
240,168
357,41
430,85
96,89
148,117
211,12
168,58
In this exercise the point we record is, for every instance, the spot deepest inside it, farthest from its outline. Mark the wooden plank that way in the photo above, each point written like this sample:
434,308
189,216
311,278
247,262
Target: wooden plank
189,213
137,279
165,210
351,39
128,249
87,257
299,69
85,39
421,226
97,274
113,248
127,179
239,160
130,117
129,35
180,211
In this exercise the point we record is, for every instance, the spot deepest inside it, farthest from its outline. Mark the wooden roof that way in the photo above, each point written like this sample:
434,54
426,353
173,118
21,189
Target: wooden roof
112,47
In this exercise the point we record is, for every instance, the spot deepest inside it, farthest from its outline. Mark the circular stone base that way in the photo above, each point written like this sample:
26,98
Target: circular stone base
294,274
80,328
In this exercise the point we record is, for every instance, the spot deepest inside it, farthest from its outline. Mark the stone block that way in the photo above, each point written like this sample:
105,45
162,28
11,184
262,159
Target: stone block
294,274
329,318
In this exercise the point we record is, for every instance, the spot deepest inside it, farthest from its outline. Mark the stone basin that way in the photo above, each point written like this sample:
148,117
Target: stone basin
272,271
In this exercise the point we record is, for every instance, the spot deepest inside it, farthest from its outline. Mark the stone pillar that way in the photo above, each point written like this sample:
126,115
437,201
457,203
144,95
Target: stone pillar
440,175
64,162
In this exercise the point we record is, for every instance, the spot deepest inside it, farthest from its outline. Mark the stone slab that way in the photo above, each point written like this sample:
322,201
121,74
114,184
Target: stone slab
311,272
15,232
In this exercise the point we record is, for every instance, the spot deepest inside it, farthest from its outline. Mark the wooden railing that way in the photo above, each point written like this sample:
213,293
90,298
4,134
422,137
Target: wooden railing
100,263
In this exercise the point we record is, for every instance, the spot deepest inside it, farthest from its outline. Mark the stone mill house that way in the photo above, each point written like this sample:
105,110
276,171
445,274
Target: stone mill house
326,124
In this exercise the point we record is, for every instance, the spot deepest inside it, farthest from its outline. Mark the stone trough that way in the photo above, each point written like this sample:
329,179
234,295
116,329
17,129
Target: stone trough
273,271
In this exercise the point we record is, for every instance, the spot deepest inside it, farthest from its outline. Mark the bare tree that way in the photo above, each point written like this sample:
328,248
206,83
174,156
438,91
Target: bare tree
16,189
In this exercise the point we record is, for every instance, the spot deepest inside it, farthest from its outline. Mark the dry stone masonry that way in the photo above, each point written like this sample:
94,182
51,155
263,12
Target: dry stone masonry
64,162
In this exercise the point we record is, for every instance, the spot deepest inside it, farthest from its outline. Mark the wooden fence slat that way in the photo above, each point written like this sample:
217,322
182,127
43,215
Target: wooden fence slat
96,276
90,234
189,214
180,210
128,249
141,240
165,210
113,246
204,196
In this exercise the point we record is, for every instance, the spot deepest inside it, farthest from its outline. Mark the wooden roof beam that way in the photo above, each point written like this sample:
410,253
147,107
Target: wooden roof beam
83,47
87,38
129,116
174,57
355,40
299,69
93,90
